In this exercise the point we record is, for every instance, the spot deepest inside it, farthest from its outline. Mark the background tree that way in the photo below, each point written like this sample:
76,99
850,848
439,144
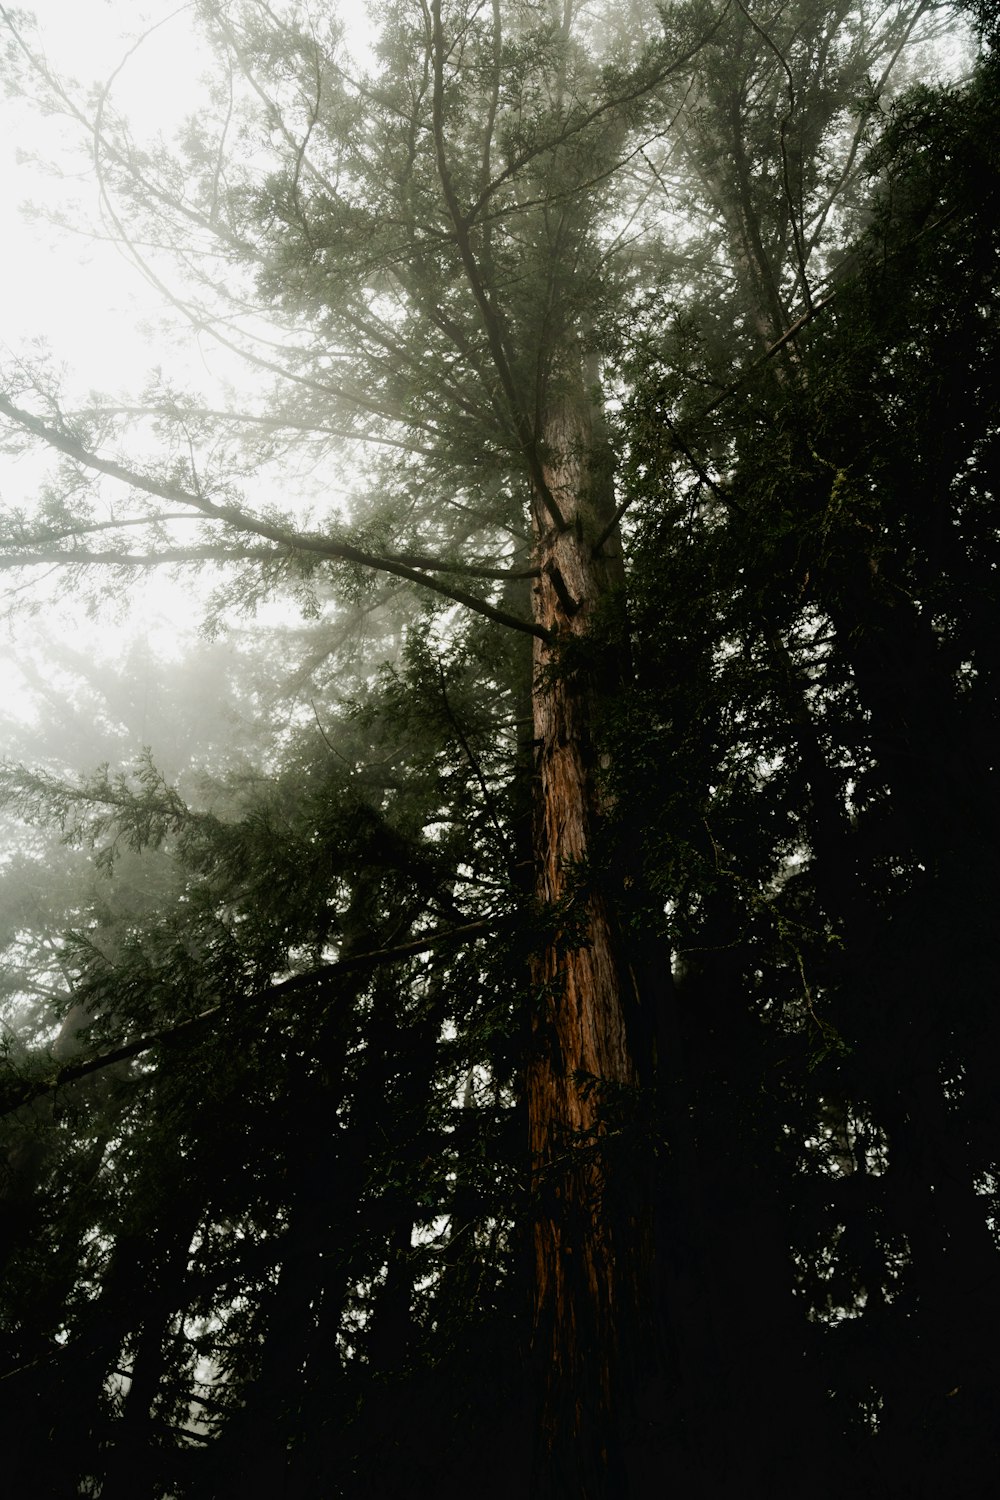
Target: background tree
828,677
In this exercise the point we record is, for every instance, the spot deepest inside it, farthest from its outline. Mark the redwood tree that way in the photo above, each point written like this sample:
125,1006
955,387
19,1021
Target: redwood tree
443,245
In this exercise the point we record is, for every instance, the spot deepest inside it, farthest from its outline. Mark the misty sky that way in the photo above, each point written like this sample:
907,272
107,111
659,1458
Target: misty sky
73,290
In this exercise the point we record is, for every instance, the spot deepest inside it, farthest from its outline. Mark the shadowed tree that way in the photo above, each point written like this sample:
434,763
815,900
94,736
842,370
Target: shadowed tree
444,243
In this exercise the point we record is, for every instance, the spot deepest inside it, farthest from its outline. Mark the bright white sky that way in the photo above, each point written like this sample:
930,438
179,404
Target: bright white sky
80,295
85,298
73,293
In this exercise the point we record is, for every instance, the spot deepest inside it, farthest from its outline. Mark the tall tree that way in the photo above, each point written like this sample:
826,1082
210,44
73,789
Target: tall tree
445,242
827,617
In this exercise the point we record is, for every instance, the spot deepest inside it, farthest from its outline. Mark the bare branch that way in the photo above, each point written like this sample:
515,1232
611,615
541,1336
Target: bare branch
83,557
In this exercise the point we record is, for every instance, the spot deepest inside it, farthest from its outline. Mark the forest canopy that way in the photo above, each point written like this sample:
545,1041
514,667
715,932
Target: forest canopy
510,1005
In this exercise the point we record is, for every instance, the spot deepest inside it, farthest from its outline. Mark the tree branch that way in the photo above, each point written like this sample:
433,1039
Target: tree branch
793,219
83,558
299,984
642,87
790,333
240,520
490,317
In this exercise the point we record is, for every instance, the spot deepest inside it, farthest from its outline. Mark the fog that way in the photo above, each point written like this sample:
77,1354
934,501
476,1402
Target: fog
497,697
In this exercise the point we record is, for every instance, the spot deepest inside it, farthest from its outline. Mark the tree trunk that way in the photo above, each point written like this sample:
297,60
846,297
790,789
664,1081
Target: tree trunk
583,1045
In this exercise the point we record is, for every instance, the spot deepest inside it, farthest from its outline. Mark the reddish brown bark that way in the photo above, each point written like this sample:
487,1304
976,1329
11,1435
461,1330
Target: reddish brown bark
584,1269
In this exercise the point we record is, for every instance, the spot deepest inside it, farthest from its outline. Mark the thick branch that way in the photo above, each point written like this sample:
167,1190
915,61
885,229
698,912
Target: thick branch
471,570
240,520
84,558
299,984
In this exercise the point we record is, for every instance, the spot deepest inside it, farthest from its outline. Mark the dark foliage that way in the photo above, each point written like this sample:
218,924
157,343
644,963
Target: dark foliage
282,1248
816,704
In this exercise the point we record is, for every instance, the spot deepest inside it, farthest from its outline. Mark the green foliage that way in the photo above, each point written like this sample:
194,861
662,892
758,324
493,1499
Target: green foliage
266,1000
389,1084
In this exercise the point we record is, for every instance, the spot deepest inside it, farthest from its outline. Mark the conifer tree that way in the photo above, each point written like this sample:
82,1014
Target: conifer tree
446,244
